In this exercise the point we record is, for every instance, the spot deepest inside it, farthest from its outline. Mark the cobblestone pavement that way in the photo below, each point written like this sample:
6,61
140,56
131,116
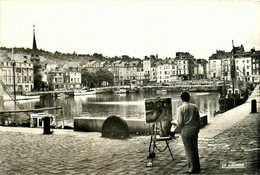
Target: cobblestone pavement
235,151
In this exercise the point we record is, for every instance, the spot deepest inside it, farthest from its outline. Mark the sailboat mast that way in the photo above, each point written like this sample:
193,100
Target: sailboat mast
225,104
13,65
233,72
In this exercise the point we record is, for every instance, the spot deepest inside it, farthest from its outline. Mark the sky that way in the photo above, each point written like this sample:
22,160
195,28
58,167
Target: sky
136,28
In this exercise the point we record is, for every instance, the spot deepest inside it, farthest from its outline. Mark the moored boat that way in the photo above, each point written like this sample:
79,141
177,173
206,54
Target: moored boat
120,91
24,97
232,99
84,92
235,95
37,120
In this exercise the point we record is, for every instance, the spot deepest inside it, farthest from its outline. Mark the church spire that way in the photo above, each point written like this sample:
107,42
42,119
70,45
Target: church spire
34,49
34,58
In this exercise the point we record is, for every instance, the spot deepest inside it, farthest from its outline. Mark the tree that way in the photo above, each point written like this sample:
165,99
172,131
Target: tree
98,56
37,79
125,57
109,77
104,75
88,78
92,79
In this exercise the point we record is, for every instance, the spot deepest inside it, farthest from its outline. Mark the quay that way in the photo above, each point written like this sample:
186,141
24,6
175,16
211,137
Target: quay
231,148
203,87
135,126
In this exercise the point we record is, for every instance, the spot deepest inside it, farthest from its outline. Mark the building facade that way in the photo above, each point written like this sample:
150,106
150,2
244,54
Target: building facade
255,55
246,65
185,65
55,79
200,69
17,70
72,75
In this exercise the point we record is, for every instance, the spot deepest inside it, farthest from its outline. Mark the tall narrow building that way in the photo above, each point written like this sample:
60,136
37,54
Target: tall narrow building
34,49
35,57
37,79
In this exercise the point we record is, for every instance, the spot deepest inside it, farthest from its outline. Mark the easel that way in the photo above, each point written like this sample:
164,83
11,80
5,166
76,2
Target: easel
159,114
155,137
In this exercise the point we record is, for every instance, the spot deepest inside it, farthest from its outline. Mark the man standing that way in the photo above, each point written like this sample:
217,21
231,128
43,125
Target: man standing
188,119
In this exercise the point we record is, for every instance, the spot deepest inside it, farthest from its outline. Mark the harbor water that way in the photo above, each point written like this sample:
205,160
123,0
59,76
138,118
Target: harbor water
106,104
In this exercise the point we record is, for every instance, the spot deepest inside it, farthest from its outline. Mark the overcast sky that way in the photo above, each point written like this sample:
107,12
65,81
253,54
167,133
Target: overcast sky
135,28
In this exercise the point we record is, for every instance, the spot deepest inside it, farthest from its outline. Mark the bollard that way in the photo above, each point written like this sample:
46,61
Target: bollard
115,127
46,125
253,106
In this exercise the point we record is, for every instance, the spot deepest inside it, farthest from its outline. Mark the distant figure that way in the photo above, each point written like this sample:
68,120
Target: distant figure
188,120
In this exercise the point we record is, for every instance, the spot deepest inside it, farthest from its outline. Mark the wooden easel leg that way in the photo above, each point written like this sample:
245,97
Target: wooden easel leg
169,150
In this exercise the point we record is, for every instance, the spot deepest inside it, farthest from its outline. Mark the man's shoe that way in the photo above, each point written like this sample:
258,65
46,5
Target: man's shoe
188,172
192,172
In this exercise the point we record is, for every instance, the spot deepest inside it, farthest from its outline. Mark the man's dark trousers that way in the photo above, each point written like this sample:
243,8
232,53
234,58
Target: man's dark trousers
190,140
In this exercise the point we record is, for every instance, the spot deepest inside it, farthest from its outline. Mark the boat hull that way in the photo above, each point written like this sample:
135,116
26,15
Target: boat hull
120,91
24,97
78,93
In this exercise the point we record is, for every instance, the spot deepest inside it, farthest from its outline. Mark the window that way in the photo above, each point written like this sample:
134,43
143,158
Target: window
247,67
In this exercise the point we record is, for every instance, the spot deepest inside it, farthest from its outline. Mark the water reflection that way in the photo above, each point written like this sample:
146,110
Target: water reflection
126,106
